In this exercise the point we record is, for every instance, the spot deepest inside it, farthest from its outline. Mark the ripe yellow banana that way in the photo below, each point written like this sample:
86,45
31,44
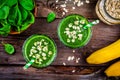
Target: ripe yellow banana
113,70
105,54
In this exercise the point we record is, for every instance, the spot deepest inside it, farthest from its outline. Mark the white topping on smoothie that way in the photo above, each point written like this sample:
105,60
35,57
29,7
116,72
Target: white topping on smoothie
73,30
68,40
70,25
76,22
50,52
45,49
44,58
39,51
43,54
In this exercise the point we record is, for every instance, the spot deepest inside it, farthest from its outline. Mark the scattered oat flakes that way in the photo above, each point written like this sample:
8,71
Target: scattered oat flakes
73,7
69,58
73,71
64,63
72,58
73,51
57,1
87,1
65,9
63,5
77,60
63,13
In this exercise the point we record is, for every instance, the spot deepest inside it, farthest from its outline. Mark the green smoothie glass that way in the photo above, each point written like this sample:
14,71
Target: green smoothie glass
41,48
71,31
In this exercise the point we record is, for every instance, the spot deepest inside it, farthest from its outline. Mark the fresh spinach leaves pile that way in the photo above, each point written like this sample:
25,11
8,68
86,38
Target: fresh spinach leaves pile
15,15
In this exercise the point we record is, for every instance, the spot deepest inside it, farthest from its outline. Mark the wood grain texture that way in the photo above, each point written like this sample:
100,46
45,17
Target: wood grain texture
103,35
87,10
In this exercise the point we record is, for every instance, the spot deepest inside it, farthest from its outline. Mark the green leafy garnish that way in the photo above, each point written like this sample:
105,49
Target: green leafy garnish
4,28
11,3
51,17
4,11
27,4
9,48
24,13
2,2
17,15
13,15
30,19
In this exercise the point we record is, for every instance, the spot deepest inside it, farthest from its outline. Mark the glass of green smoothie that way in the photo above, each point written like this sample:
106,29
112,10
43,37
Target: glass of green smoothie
72,33
41,48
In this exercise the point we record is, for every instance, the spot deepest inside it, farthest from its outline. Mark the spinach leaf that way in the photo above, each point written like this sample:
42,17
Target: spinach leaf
11,3
9,48
4,27
18,20
24,13
27,4
2,2
17,29
4,12
3,33
13,15
19,17
25,26
30,19
51,17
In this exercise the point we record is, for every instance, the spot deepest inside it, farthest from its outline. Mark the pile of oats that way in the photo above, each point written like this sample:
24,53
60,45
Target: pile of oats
113,8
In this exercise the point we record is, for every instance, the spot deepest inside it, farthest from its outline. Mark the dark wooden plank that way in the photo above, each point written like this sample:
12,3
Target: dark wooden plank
58,73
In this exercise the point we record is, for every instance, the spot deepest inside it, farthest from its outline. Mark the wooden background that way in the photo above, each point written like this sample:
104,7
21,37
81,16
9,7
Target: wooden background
11,66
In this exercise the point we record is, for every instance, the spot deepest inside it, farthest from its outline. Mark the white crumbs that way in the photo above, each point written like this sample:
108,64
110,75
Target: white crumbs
74,4
73,51
70,58
64,63
73,7
73,71
87,1
77,60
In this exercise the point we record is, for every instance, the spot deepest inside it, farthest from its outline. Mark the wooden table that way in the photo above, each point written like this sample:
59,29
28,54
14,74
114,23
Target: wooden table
11,66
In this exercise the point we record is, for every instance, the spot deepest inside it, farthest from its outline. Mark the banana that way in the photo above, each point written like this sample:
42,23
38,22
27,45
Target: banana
113,70
106,54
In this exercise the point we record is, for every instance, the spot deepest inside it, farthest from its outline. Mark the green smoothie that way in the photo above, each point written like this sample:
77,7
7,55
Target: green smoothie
41,48
71,32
